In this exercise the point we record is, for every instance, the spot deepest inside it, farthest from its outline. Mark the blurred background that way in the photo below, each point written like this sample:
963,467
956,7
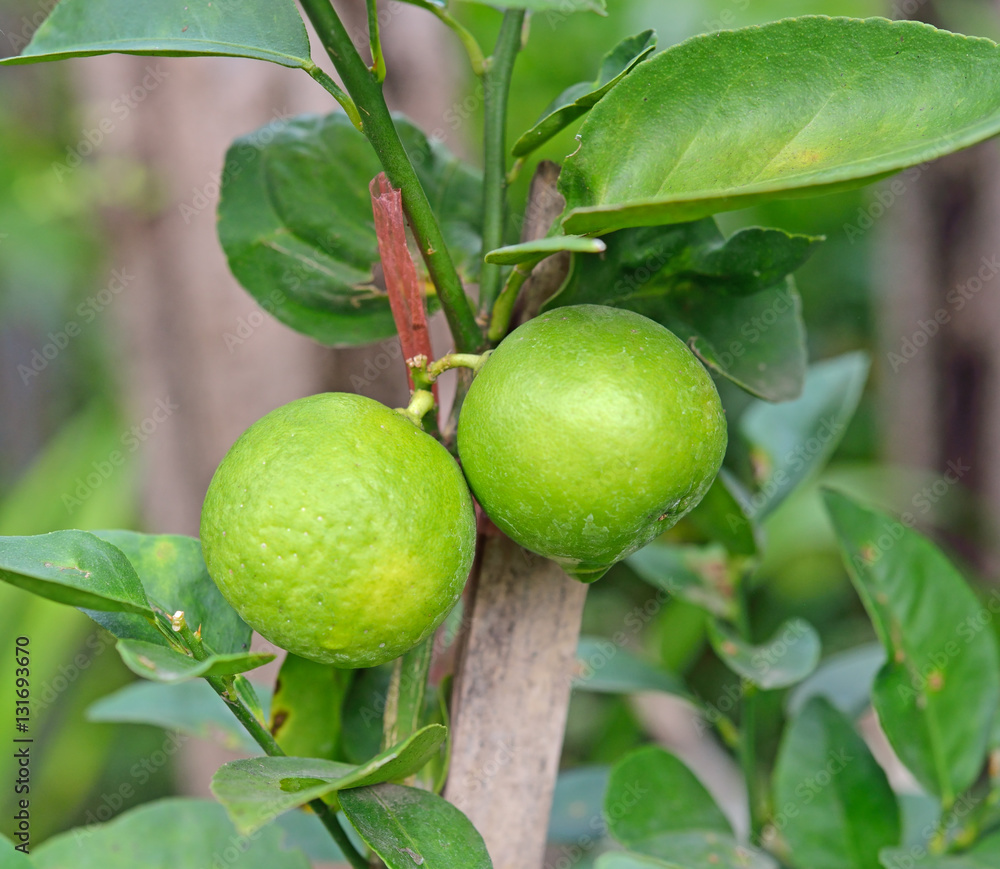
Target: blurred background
122,332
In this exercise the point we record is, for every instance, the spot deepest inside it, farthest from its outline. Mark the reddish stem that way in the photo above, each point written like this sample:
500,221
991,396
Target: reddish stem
401,280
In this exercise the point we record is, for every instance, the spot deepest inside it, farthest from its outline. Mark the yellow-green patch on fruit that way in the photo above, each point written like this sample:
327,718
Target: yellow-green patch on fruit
588,432
339,530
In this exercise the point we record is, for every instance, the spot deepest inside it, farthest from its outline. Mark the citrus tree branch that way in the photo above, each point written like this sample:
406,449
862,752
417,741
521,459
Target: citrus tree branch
496,85
377,125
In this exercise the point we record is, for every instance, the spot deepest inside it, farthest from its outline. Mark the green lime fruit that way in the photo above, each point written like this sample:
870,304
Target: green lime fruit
588,432
339,530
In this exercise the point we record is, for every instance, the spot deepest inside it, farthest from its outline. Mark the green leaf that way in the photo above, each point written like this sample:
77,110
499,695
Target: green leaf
192,708
257,790
363,713
174,577
845,680
168,834
698,574
75,568
295,221
730,299
414,829
788,442
163,664
11,858
604,667
786,659
261,29
625,860
699,848
651,793
833,803
306,710
937,694
722,517
578,99
576,804
794,108
535,251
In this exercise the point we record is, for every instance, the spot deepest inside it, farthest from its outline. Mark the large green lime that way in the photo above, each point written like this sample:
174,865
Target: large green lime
339,530
588,432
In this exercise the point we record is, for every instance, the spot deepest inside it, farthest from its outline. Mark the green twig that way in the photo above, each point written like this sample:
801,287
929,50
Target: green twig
503,308
346,103
377,125
421,404
469,42
375,41
263,737
496,91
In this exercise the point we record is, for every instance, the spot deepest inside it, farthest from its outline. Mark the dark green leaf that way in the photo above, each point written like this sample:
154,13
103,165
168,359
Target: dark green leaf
833,803
535,251
651,793
786,659
938,692
578,99
414,829
606,668
790,441
257,790
306,710
844,679
262,29
295,221
798,107
192,708
194,834
731,300
163,664
697,574
576,804
364,708
75,568
722,517
174,576
699,848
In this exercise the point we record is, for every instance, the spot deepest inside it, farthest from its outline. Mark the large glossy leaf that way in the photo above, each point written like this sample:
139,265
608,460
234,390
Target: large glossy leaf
75,568
295,221
798,107
937,694
790,441
168,834
786,659
844,679
730,299
163,664
651,793
604,667
414,829
306,710
262,29
833,803
697,574
191,708
257,790
173,574
578,99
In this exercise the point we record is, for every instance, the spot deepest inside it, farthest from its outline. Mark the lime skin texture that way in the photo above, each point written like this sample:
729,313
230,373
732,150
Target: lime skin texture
339,530
588,432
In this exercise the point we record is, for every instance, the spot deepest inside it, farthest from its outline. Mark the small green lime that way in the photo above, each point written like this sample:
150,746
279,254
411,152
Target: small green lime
339,530
588,432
